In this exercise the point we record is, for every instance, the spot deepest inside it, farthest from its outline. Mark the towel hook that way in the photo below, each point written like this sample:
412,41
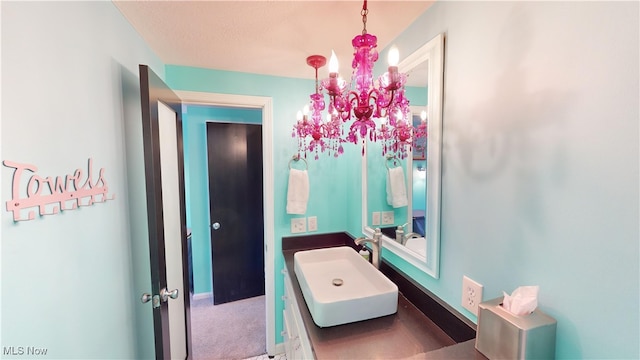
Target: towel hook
296,158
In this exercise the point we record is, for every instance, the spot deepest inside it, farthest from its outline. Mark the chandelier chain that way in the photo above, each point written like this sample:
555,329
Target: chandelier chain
364,13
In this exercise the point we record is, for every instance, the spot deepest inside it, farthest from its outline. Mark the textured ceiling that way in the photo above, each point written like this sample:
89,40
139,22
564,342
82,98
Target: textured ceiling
264,37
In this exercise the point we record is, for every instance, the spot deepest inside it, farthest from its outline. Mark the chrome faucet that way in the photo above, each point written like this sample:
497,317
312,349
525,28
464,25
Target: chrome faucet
410,235
376,243
402,238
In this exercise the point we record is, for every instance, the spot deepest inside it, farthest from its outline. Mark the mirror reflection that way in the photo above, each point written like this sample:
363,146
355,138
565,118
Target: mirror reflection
411,231
408,220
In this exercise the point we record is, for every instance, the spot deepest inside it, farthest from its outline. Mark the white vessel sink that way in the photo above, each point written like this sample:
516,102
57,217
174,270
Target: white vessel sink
340,287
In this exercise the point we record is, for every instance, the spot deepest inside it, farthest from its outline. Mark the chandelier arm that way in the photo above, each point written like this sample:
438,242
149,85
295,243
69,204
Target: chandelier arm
354,97
393,94
351,97
377,93
373,94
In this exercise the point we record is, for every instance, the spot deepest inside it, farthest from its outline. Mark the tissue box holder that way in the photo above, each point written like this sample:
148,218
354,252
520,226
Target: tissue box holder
503,335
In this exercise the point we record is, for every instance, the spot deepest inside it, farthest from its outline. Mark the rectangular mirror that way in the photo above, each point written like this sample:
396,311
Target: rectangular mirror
422,171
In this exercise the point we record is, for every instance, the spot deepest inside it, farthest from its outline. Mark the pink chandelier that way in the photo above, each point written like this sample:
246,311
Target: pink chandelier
313,134
360,100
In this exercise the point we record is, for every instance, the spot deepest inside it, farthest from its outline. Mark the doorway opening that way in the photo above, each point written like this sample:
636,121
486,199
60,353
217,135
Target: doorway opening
195,143
231,324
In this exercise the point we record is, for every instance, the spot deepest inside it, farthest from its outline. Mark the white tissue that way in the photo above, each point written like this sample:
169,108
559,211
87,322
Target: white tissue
522,301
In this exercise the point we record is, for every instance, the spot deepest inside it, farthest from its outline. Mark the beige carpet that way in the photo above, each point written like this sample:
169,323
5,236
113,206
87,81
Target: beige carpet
235,330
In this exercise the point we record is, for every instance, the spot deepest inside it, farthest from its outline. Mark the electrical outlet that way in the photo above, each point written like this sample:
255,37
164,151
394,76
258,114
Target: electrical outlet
375,218
471,295
312,222
387,217
298,225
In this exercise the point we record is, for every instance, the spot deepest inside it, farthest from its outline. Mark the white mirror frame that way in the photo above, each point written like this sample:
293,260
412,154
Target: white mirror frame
433,51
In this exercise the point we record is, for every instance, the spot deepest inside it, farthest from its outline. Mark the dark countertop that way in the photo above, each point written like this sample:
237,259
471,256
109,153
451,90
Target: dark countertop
406,334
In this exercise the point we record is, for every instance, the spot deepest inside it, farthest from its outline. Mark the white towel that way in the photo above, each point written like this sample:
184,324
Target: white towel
298,192
396,189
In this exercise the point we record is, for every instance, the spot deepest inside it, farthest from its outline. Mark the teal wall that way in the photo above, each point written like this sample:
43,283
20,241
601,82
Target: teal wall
71,283
540,168
194,125
335,194
417,95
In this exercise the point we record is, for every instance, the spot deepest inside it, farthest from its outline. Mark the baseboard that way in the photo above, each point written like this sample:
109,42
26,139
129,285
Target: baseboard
200,296
279,350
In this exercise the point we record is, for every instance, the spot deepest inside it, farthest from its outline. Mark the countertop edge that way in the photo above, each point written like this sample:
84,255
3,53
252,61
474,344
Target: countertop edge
460,345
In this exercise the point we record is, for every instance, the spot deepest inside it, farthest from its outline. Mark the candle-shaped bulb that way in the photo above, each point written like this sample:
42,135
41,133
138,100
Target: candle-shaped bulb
305,109
423,115
333,87
333,63
392,72
394,56
299,115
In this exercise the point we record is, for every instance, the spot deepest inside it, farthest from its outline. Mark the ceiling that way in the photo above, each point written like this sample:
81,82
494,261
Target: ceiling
264,37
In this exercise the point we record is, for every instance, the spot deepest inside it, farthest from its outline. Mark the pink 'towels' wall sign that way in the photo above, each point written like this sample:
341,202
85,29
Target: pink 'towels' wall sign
59,193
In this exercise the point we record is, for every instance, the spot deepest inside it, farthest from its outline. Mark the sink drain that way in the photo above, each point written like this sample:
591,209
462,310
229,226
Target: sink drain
337,282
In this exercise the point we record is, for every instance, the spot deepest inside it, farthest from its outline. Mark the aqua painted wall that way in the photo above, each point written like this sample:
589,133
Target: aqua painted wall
417,95
540,168
195,118
335,195
71,282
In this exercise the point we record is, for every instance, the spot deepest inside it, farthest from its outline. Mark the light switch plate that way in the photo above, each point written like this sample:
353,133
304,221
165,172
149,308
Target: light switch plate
298,225
375,218
312,222
387,217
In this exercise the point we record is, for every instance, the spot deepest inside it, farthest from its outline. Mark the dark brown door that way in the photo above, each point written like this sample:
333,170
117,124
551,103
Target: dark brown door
164,179
235,200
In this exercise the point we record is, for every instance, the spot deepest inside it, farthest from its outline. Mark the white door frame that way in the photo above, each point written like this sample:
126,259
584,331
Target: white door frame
266,104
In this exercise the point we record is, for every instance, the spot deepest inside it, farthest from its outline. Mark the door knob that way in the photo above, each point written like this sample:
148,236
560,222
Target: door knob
166,294
146,297
215,225
155,299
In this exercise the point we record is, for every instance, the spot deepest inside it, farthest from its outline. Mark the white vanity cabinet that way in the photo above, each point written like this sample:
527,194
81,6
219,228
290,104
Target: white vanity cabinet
296,341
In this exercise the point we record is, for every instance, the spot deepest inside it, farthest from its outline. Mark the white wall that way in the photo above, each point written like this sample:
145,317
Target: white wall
70,91
540,168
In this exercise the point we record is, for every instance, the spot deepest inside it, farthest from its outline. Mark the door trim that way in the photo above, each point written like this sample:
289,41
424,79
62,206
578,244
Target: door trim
266,104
